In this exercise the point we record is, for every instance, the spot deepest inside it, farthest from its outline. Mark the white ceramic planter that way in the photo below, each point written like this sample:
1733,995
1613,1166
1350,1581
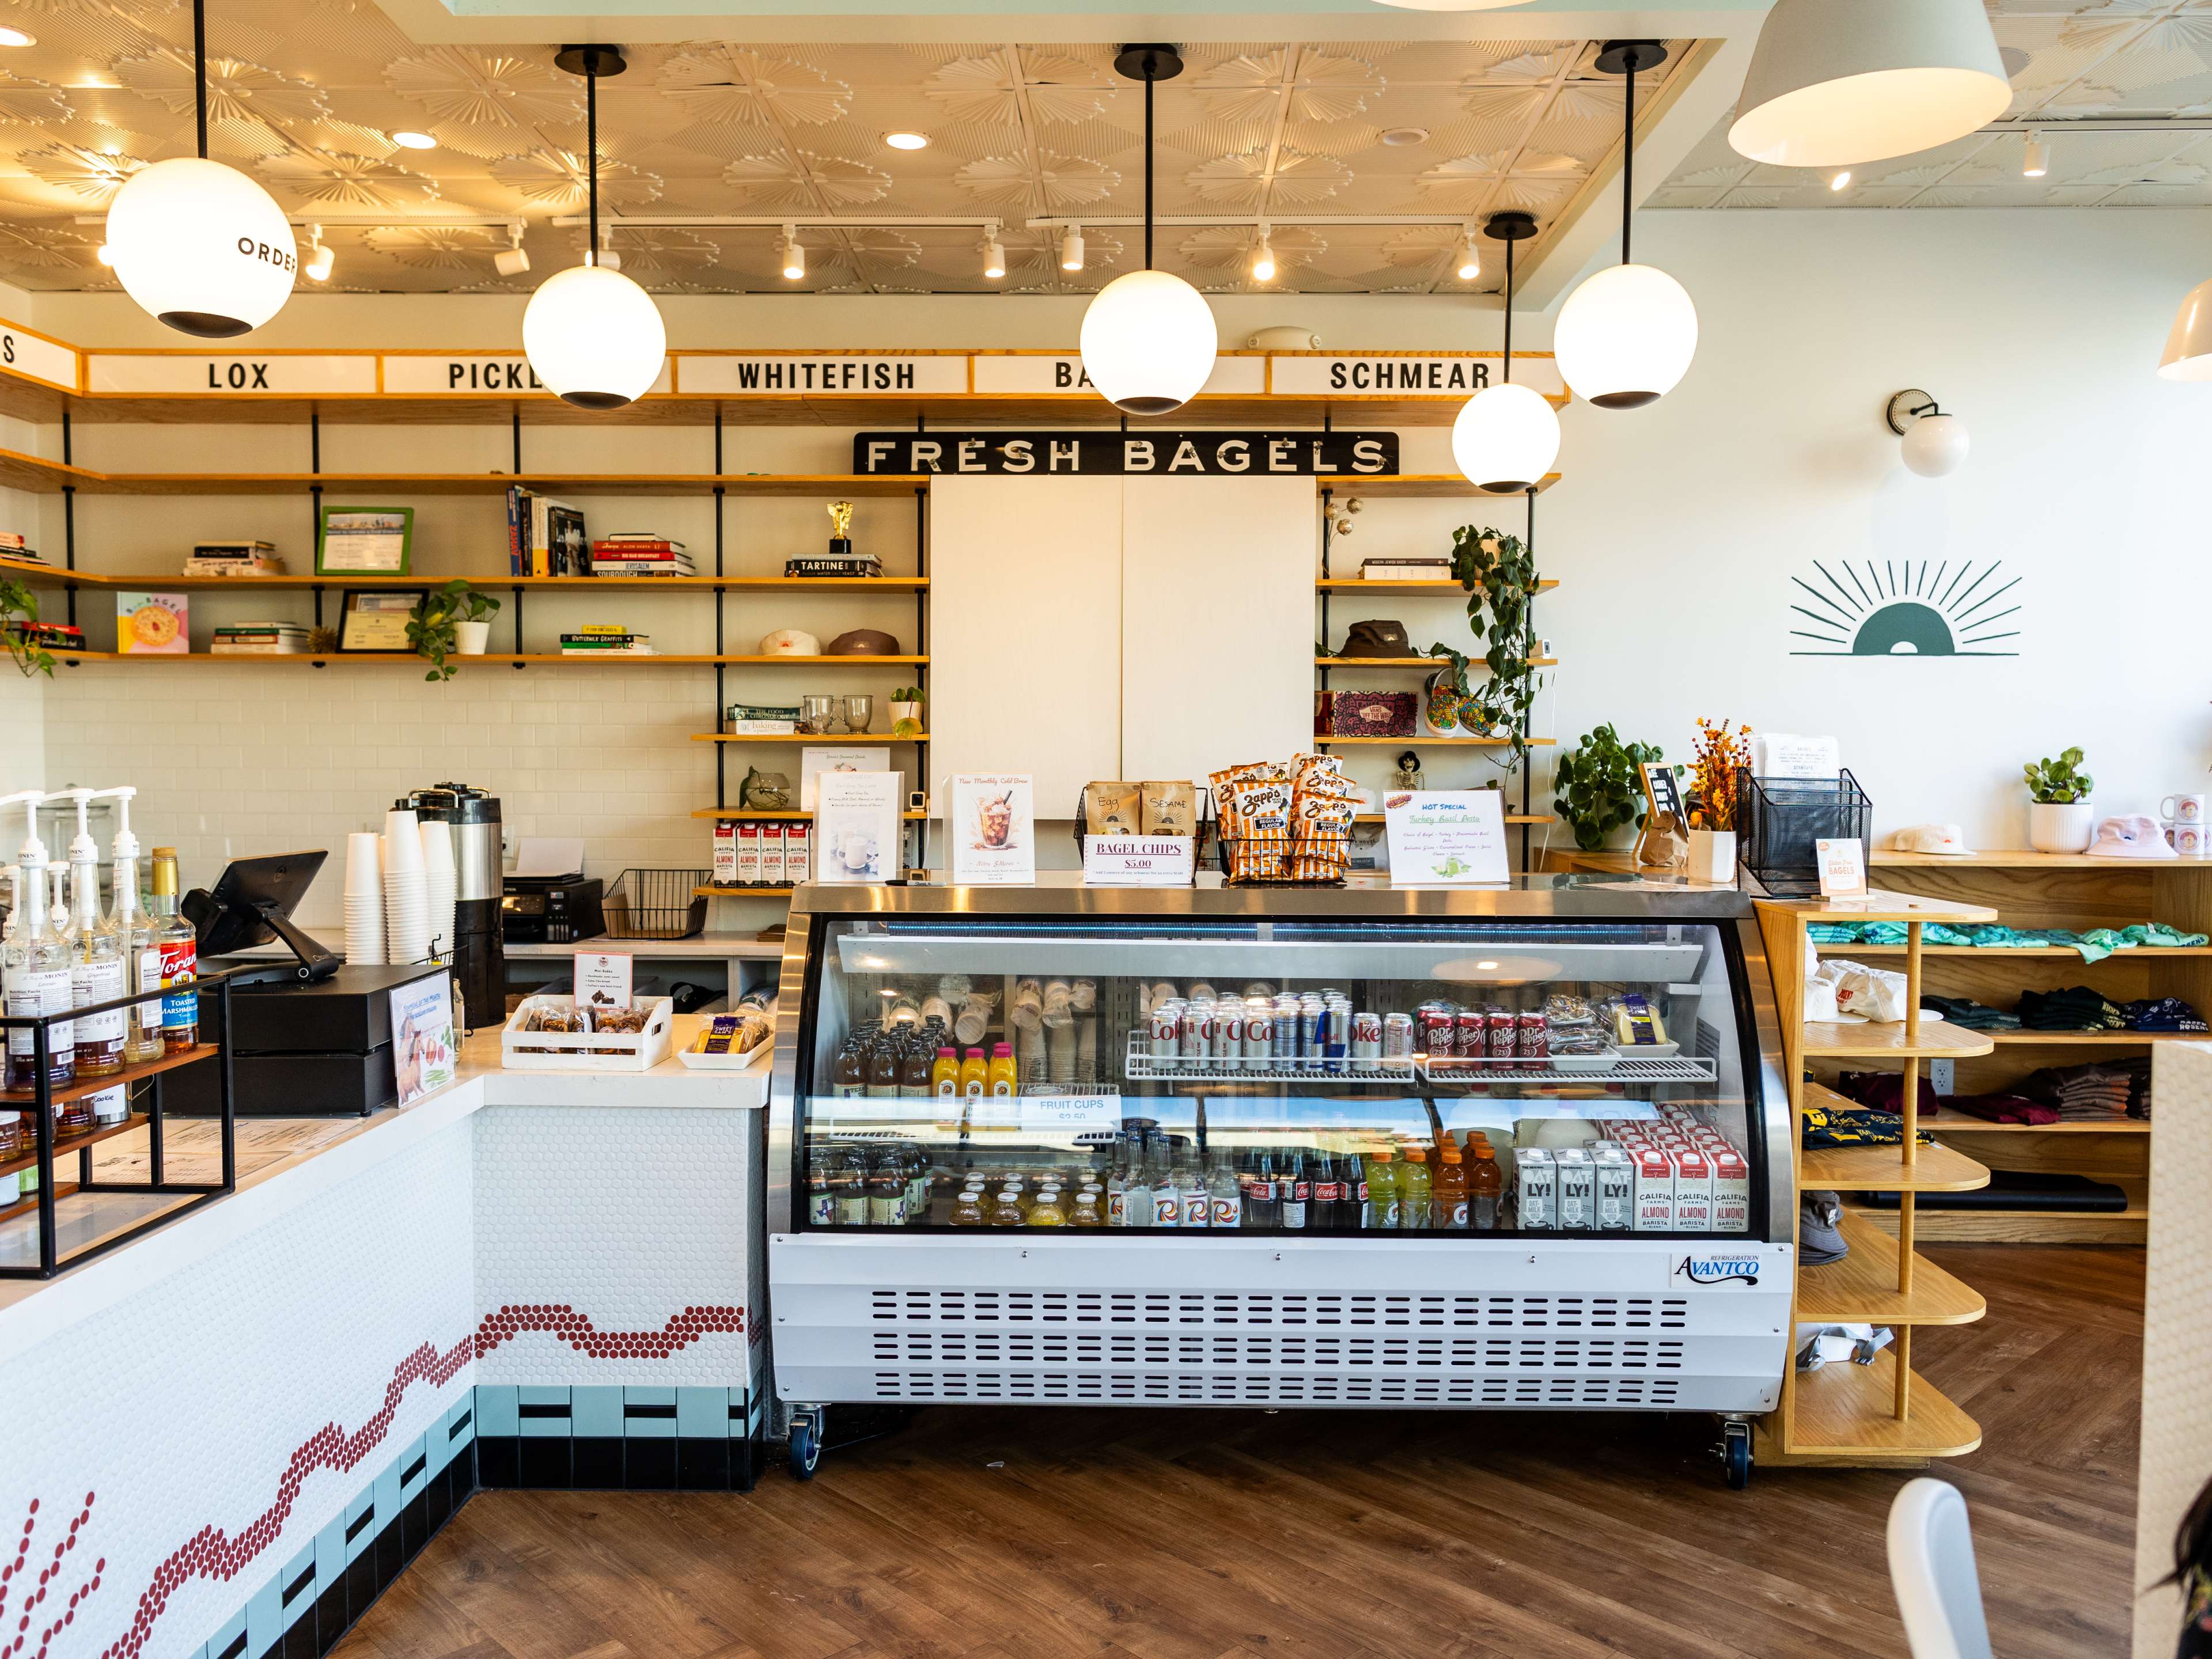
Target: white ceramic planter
906,711
1712,857
470,638
2061,826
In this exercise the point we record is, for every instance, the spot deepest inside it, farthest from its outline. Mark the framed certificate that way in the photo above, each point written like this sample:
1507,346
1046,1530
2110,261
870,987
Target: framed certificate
365,541
378,622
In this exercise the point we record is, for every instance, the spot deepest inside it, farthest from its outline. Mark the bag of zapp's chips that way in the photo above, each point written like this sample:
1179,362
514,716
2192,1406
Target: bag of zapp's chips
1262,805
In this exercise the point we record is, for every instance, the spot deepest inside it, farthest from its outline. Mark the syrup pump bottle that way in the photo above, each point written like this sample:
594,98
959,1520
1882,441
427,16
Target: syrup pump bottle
134,930
96,974
34,967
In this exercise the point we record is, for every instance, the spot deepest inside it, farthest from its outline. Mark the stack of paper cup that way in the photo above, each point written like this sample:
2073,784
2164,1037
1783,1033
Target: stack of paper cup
406,889
441,882
364,897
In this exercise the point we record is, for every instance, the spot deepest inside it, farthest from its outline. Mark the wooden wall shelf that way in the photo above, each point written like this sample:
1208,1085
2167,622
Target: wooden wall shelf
1425,664
853,738
1431,742
47,575
1402,590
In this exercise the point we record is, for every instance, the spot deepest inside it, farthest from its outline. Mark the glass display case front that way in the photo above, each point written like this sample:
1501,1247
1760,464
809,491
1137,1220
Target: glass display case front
1161,1075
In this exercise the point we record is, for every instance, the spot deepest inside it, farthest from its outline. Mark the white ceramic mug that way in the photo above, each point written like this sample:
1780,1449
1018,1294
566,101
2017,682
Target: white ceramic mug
2189,840
2183,809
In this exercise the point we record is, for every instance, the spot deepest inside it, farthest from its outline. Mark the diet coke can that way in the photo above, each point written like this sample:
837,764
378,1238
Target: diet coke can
1367,1037
1194,1033
1166,1017
1225,1035
1259,1034
1397,1040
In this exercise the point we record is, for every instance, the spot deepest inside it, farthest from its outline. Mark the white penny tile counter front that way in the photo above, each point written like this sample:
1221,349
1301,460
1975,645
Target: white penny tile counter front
227,1437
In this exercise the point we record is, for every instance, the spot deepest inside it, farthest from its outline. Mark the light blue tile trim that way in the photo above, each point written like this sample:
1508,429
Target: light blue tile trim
495,1409
388,1501
264,1619
330,1556
233,1628
595,1412
420,1448
363,1503
702,1413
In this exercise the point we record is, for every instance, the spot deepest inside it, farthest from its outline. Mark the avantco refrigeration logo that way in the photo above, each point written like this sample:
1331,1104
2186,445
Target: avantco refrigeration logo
1708,1271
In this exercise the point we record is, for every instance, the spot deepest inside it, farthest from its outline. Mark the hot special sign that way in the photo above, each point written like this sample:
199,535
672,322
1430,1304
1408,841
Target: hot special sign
1111,453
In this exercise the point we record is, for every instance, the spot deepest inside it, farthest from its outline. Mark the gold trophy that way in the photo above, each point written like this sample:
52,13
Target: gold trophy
840,530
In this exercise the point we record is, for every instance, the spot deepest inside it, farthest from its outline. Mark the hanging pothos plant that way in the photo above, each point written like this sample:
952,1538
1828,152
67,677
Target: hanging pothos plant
19,615
1499,574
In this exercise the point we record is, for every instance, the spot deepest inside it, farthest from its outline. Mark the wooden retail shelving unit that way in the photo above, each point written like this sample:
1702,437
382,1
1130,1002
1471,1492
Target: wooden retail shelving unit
1845,1414
2029,889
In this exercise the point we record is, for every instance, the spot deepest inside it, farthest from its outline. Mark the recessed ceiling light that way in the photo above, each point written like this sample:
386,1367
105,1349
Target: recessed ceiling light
414,141
1398,137
907,140
14,37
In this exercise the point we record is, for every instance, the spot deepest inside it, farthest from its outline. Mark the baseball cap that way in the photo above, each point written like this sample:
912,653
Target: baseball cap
1820,1239
790,642
864,642
1947,839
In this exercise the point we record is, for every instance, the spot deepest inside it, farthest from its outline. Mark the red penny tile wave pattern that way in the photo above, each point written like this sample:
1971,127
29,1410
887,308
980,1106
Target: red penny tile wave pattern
212,1554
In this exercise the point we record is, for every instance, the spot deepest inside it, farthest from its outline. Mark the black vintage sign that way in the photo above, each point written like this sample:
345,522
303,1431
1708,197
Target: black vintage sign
1110,454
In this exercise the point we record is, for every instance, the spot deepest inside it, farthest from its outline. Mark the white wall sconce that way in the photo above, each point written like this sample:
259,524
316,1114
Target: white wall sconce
1935,443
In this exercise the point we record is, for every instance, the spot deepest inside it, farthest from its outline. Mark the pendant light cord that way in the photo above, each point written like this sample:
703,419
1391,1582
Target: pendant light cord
1628,164
591,142
200,69
1508,377
1148,162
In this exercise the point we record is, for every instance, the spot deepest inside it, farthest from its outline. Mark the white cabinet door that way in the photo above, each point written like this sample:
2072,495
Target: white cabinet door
1025,632
1217,623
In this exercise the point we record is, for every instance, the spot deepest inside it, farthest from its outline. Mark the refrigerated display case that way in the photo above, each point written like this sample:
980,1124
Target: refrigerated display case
1518,1147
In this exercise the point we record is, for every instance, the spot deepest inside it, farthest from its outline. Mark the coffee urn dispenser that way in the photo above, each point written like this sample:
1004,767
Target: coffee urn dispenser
479,957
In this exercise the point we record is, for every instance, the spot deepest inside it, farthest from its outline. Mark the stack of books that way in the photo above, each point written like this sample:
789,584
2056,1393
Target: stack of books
14,546
1405,569
761,721
234,559
836,565
637,553
605,639
545,538
258,638
48,636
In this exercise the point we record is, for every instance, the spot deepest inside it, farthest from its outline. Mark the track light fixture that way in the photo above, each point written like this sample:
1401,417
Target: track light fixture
1070,248
1470,259
1149,340
1840,179
994,255
1263,258
1625,336
592,335
2035,157
511,260
319,260
199,244
605,257
793,253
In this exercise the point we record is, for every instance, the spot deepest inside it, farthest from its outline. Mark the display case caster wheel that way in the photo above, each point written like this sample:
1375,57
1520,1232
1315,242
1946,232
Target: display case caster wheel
806,1444
1735,1454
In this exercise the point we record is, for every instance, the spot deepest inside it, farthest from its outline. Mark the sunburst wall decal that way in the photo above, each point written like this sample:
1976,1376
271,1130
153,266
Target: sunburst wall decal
1900,608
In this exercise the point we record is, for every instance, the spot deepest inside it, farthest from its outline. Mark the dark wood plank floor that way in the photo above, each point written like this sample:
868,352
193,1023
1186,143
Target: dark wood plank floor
1001,1533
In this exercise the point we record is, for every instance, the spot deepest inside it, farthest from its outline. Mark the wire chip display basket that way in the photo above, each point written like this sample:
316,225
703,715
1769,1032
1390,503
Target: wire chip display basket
1778,820
655,904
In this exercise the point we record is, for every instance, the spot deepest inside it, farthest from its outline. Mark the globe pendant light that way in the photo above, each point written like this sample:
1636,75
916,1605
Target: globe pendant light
1148,340
1506,436
2188,353
197,244
1833,83
1626,335
592,335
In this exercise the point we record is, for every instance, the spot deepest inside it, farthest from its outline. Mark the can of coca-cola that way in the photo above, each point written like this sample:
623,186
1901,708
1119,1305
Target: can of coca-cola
1499,1028
1167,1037
1366,1037
1532,1041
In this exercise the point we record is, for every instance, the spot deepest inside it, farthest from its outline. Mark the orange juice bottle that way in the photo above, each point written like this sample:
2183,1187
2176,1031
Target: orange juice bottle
944,1073
1003,1077
973,1075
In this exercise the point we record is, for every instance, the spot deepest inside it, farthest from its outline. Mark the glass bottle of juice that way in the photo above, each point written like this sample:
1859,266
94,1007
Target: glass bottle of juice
1416,1191
944,1073
1006,1208
884,1071
848,1185
1002,1077
1047,1211
1452,1188
915,1068
1486,1184
1085,1213
968,1209
974,1074
1382,1196
848,1074
177,941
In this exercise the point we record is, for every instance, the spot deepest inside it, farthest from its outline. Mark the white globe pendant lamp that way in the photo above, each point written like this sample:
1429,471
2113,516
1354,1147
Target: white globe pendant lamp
1833,83
1625,336
2188,354
1506,436
199,244
1148,339
592,335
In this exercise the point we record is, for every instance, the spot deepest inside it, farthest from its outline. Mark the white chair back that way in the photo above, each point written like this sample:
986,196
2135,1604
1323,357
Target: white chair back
1931,1567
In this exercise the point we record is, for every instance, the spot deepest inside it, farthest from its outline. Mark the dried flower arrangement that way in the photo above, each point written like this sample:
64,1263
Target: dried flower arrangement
1717,757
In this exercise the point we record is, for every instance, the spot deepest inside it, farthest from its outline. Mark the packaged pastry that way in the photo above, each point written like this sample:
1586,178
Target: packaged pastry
731,1034
1561,1008
1636,1023
629,1020
1112,809
1168,808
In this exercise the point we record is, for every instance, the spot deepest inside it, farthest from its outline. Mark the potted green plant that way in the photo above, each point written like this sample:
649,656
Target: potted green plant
19,614
1598,790
452,621
906,710
1499,574
2061,817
